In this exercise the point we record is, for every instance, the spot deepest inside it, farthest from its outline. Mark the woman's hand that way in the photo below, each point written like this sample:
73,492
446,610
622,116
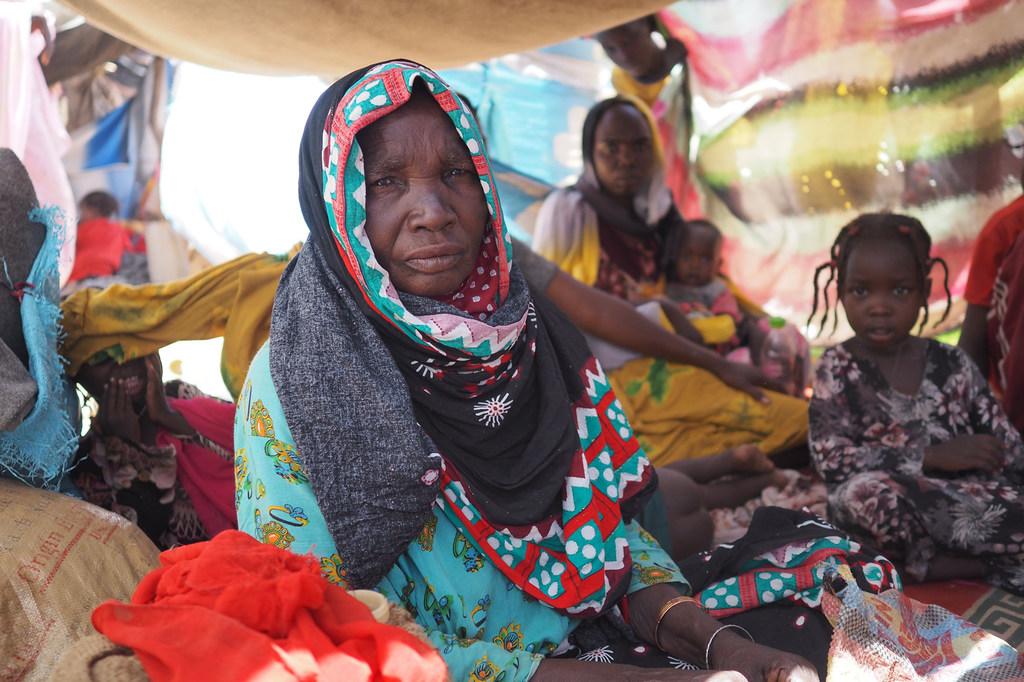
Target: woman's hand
156,400
116,416
569,670
759,663
976,451
749,379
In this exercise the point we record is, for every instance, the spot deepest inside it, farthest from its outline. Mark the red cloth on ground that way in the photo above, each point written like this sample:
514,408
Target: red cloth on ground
208,478
101,244
236,609
990,248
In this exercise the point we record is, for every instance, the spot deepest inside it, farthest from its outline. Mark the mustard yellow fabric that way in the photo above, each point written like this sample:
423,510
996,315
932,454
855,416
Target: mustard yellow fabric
625,84
233,300
716,329
681,412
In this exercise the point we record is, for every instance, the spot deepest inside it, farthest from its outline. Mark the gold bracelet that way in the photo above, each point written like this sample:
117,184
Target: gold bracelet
668,607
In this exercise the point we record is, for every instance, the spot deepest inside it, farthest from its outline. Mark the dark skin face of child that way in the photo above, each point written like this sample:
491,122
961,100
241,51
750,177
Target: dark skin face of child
882,295
699,257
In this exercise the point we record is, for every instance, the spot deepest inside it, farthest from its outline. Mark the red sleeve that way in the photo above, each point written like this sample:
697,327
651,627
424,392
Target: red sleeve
990,248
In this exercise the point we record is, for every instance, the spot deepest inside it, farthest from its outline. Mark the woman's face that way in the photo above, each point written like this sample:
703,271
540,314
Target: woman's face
425,208
631,48
96,379
623,151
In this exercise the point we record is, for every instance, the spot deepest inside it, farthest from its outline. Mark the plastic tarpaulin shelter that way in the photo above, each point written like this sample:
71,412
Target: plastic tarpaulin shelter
806,112
810,112
332,38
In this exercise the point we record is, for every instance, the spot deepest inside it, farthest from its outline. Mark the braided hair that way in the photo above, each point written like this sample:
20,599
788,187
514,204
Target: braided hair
878,226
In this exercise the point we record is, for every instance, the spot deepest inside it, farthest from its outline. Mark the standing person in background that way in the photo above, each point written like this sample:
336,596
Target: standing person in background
993,328
30,123
650,64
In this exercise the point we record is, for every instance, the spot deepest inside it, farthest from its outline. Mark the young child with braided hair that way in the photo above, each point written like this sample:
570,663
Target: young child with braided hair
918,457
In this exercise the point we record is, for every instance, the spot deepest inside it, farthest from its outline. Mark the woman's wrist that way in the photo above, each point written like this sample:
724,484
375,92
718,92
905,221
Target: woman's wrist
684,632
723,643
174,421
714,363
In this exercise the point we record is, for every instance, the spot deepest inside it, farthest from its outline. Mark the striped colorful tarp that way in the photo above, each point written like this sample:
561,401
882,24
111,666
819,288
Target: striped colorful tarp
810,112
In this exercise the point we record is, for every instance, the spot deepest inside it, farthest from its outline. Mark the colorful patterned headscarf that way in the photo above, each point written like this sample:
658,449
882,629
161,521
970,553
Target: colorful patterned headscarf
383,89
537,464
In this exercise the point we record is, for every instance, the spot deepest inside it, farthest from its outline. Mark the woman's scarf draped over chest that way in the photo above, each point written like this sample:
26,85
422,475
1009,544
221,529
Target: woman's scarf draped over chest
375,384
654,212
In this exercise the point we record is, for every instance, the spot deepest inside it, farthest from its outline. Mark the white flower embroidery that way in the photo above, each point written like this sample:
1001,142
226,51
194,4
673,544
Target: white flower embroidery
973,524
493,410
602,655
682,665
425,370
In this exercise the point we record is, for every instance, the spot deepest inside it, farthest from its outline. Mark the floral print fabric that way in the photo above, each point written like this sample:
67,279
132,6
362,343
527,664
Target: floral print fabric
485,627
868,443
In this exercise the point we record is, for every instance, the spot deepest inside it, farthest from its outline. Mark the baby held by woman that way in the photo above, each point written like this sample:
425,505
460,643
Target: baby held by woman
738,330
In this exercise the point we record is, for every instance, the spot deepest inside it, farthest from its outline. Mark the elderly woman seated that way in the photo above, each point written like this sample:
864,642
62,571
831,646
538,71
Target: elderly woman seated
425,424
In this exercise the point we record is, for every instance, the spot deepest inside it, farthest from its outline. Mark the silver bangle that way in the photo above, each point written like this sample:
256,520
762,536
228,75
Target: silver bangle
711,640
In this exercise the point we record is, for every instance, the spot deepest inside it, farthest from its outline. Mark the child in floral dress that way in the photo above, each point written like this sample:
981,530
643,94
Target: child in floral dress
917,454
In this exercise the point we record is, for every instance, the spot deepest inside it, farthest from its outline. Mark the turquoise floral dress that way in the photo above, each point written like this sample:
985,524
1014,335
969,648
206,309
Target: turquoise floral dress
485,627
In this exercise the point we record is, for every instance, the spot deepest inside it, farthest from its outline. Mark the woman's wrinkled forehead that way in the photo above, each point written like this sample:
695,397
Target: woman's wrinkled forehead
380,92
385,88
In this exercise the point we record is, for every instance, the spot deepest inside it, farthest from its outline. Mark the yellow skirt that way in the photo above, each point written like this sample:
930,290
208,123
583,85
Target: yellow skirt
681,412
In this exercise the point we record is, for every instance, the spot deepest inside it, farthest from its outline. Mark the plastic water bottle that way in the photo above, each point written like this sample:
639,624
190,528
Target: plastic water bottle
778,355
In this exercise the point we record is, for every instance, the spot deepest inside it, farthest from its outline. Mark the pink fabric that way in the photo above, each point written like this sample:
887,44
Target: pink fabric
30,120
208,478
726,304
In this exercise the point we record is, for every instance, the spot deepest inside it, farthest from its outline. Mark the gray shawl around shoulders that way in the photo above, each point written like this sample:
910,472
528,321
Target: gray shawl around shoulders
373,470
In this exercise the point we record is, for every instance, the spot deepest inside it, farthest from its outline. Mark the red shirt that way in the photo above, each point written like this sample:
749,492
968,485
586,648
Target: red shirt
990,248
101,243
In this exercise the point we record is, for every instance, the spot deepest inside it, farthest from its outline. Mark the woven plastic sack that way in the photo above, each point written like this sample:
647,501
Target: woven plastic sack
59,558
892,638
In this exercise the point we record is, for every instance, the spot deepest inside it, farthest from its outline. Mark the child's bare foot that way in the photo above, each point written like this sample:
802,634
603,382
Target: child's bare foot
779,478
747,459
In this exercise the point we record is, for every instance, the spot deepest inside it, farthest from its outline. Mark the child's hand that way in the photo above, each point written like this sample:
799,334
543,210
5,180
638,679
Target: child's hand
116,416
977,451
